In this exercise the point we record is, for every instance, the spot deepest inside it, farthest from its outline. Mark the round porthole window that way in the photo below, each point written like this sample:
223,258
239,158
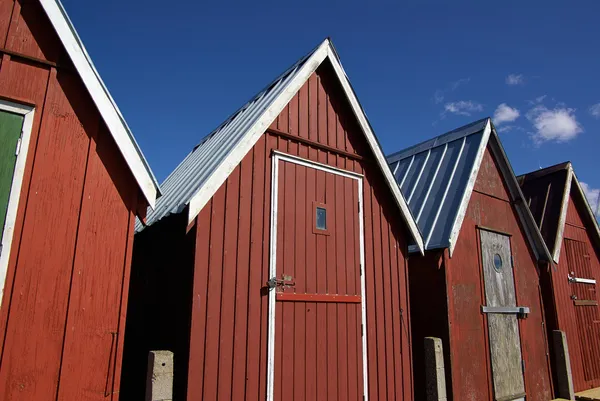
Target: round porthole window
497,262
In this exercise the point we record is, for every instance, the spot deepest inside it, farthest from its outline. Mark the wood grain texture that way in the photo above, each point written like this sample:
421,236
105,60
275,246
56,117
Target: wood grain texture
558,292
504,338
63,310
212,365
469,348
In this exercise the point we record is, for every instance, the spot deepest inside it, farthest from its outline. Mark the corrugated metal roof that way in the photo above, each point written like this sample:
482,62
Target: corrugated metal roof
191,174
434,176
206,168
547,193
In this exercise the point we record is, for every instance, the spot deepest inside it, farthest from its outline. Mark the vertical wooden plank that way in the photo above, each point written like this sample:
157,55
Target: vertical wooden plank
50,224
303,113
241,324
213,297
300,362
283,120
6,9
343,269
293,117
370,292
92,321
256,268
228,284
200,303
322,114
388,302
313,108
21,81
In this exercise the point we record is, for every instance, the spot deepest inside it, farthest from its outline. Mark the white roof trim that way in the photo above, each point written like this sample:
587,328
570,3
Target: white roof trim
464,203
571,179
102,99
523,213
564,205
325,50
379,156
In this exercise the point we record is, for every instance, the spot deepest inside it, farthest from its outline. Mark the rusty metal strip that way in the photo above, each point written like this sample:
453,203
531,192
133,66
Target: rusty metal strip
585,302
349,299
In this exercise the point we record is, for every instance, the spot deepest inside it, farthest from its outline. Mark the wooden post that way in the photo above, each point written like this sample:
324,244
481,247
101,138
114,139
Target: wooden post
159,382
435,375
564,385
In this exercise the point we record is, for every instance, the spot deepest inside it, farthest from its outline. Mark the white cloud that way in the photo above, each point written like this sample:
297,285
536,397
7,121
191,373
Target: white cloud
595,110
557,125
454,85
440,94
506,128
505,114
540,99
515,79
462,107
592,195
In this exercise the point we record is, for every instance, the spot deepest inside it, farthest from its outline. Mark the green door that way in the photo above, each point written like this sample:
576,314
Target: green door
10,132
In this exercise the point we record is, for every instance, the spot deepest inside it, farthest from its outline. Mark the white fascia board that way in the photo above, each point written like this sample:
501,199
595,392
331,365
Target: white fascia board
532,232
564,205
214,182
379,156
588,208
99,94
464,203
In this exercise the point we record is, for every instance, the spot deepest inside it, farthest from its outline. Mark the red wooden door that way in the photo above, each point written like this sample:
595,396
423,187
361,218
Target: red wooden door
583,293
316,301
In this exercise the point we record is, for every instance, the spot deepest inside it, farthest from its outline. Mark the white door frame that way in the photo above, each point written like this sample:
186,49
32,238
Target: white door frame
276,157
15,189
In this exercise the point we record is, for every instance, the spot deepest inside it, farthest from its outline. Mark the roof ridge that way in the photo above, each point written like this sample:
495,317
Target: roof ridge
466,130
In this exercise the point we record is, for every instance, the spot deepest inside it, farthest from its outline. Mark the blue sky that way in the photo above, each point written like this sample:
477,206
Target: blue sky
420,69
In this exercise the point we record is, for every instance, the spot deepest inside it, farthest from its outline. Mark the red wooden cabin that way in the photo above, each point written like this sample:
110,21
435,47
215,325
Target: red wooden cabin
567,223
477,286
274,265
71,182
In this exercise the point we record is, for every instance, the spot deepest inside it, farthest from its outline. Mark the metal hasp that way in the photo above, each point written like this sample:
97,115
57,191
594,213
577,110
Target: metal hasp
579,280
284,281
520,311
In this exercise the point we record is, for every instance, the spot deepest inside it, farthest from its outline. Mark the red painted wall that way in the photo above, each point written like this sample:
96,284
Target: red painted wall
63,309
575,229
470,366
229,314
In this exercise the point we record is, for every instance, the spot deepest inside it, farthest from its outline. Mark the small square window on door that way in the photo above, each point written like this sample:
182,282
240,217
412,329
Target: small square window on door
320,219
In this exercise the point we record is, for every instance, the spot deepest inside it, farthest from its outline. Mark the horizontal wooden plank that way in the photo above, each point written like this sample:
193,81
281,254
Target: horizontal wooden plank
28,58
351,299
315,144
585,302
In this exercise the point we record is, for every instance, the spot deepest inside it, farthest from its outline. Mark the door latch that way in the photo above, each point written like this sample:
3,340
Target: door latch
285,281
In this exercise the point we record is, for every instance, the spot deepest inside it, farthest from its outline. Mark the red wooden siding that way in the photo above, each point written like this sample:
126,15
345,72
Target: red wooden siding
63,308
568,315
326,288
469,348
229,313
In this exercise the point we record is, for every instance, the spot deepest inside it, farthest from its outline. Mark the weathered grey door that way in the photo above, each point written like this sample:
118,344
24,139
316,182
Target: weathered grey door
503,327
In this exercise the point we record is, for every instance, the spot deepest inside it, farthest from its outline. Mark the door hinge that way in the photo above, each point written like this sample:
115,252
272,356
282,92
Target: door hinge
18,148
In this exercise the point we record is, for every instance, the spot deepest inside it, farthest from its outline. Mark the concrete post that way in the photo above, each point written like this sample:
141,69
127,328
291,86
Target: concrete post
159,381
564,385
435,375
